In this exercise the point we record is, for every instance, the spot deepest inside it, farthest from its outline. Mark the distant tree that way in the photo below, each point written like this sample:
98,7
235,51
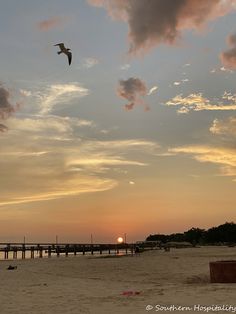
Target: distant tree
157,237
222,233
194,235
177,237
225,233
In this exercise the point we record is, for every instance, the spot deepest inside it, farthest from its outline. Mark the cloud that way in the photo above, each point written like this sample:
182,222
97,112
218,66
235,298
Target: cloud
102,161
228,58
36,165
90,62
152,90
100,156
223,69
125,67
197,102
47,124
224,127
154,22
25,92
58,94
182,81
64,189
51,23
132,89
224,157
6,106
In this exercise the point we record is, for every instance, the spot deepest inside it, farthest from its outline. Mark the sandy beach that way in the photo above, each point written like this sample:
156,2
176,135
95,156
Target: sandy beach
96,284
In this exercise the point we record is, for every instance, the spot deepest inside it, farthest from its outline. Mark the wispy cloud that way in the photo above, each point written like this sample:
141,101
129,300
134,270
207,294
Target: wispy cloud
58,94
36,167
132,89
177,83
93,163
224,127
125,67
67,188
46,124
224,157
51,23
152,90
90,62
180,82
162,21
25,92
197,102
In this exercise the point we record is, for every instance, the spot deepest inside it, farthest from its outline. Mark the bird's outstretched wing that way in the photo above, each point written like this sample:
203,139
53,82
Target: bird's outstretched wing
61,45
69,55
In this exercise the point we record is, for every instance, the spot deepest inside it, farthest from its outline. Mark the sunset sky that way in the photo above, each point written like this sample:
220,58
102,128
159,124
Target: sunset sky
136,136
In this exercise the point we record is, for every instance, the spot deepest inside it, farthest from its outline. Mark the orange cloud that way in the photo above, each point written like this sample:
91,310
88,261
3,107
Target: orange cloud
53,22
132,89
221,156
197,102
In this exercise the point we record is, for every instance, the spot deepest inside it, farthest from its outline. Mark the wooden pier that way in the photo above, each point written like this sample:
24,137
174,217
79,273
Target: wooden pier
19,250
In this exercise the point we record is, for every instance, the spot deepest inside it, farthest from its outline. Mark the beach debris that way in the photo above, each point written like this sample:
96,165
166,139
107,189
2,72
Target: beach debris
65,50
131,293
10,267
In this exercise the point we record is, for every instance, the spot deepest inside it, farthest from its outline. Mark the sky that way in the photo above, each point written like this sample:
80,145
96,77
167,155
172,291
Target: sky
136,136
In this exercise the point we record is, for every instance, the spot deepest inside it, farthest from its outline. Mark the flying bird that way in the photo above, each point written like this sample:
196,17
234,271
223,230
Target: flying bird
65,50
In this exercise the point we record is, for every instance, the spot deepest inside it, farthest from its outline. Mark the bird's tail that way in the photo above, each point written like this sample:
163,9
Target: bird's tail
59,52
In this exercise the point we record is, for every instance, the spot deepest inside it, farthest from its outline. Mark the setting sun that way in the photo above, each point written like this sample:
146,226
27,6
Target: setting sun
120,240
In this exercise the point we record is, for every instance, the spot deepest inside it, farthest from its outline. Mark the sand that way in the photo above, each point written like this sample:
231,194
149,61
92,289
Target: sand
90,284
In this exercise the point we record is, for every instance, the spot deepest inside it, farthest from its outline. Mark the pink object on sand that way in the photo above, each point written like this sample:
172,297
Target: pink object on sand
129,293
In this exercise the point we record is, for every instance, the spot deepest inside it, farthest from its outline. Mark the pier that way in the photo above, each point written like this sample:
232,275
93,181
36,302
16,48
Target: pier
20,250
32,250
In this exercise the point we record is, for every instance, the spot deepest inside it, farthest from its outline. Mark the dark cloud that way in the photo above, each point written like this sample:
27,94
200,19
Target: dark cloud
133,90
6,108
161,21
228,58
50,23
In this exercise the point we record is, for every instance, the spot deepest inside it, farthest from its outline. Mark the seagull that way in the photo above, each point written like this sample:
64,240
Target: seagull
65,50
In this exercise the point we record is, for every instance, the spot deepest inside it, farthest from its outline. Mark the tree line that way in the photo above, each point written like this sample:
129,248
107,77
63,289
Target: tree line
225,233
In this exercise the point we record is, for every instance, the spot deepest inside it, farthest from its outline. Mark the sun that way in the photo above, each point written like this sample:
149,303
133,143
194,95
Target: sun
120,240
